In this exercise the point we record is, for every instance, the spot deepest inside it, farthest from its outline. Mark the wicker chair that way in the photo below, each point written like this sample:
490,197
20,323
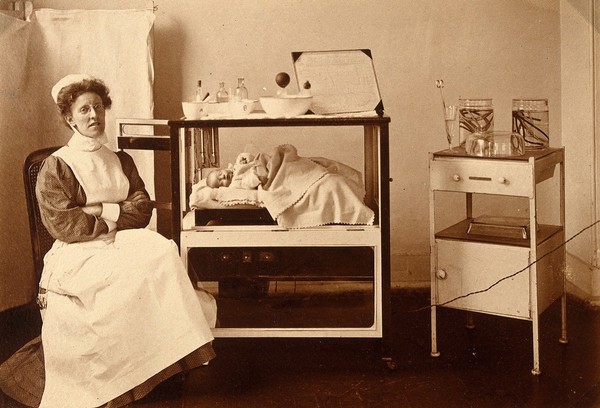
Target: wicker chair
41,240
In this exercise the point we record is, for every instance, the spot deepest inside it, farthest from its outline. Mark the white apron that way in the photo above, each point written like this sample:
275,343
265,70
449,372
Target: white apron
118,312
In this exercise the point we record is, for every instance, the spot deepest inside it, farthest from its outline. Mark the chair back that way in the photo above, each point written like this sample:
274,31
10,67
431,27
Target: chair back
41,240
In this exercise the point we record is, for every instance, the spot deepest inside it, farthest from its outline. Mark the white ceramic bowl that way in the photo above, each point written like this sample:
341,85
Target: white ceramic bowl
287,107
194,110
218,108
241,108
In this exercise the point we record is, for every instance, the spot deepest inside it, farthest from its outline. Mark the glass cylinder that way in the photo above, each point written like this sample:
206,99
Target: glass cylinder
475,115
530,120
495,144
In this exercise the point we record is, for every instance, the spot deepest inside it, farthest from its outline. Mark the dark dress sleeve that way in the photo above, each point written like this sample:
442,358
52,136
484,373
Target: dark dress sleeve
60,198
134,214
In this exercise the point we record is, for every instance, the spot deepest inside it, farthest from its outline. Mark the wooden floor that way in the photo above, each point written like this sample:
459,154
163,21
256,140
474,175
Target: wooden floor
488,366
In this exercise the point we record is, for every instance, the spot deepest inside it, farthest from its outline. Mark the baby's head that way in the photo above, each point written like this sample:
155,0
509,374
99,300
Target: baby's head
219,178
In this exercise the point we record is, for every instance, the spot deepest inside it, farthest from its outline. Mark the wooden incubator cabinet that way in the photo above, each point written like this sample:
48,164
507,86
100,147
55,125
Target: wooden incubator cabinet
243,257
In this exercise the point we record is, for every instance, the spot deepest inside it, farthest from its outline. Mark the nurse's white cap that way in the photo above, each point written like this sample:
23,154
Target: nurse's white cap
66,81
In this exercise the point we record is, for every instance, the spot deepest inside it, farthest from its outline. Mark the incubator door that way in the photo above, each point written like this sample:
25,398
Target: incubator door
285,287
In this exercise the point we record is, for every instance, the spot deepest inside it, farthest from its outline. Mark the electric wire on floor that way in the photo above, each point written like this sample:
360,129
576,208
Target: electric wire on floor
511,275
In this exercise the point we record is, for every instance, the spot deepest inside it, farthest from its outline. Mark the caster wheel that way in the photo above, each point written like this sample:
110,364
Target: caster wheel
390,364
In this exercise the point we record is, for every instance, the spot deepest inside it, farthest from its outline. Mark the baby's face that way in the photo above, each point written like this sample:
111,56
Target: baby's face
219,178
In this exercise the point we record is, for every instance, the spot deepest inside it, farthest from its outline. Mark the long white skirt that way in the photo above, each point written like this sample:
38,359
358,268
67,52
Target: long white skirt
117,313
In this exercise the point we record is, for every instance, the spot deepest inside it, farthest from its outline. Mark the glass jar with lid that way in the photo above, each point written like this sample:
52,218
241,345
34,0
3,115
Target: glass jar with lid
496,143
530,120
475,115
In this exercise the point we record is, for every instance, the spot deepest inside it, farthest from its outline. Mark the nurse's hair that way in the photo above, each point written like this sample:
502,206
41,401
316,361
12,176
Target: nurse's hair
69,93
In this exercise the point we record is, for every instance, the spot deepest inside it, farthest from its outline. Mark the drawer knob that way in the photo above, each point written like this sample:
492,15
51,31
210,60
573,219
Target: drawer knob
456,177
441,274
502,180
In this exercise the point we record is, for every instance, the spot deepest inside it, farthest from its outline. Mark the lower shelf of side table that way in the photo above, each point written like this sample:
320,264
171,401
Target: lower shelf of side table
499,279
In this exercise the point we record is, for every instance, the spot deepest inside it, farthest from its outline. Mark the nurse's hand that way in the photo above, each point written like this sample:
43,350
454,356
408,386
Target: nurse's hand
137,196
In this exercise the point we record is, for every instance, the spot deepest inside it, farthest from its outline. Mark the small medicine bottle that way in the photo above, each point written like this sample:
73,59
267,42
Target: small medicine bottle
199,96
222,94
241,92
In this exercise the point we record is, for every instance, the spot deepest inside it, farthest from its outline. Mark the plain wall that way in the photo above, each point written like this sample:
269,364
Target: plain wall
500,49
578,107
485,48
580,78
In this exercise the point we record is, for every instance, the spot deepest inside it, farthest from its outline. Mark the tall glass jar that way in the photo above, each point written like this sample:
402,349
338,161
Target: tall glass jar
475,115
530,120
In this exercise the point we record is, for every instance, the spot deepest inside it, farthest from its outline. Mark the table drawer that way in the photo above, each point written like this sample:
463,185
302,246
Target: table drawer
478,176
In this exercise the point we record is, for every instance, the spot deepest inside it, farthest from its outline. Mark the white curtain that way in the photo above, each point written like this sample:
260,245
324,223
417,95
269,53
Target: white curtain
17,284
110,44
114,45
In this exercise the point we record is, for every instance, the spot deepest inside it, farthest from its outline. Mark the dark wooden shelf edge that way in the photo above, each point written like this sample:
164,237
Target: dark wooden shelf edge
144,143
460,152
305,120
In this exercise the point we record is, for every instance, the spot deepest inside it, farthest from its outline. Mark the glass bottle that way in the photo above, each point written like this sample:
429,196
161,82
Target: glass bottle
474,116
199,96
530,120
241,92
222,94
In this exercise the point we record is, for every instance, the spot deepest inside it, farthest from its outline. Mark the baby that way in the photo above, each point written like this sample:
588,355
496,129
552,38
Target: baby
248,172
219,178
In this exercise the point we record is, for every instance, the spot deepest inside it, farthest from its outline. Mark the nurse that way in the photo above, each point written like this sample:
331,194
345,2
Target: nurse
120,313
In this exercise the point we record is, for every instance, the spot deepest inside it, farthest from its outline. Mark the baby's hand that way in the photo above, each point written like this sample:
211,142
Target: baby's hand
244,158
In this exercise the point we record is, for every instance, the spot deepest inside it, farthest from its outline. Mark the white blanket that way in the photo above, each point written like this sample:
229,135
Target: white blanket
300,192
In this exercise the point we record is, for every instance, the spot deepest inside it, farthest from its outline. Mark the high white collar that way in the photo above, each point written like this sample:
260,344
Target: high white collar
86,144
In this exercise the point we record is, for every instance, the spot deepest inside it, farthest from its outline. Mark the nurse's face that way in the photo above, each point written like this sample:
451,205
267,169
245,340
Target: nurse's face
87,115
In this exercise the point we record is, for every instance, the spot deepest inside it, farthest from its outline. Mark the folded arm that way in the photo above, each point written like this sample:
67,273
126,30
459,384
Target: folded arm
61,200
65,214
136,210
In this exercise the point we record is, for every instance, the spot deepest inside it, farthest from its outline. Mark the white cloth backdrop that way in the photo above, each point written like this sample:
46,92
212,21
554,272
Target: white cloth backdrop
114,45
17,283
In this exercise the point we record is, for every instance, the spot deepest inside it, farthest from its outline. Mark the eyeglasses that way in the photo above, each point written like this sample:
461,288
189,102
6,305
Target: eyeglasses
86,109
